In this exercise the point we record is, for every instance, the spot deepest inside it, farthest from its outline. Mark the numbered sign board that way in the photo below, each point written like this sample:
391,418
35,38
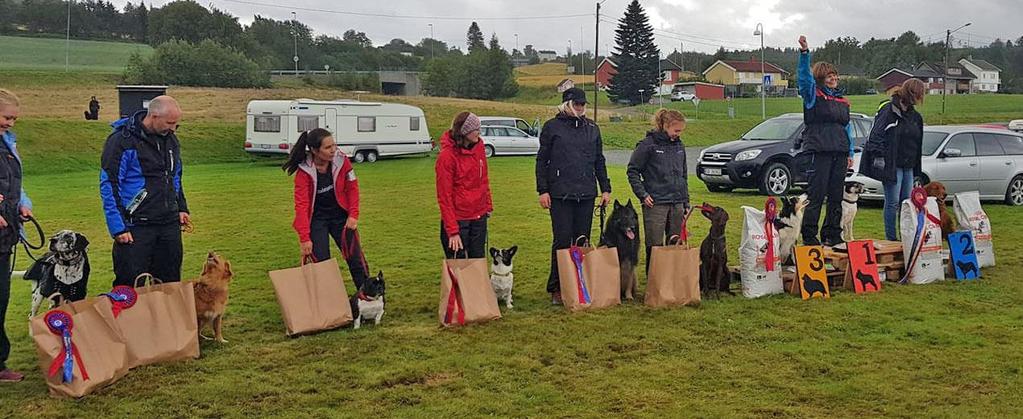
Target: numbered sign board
963,255
863,270
810,272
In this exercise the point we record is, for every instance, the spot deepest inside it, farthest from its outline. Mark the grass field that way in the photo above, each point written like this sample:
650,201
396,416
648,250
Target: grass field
23,53
948,349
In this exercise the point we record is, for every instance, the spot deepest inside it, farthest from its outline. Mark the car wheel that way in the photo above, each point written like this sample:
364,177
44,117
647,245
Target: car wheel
489,151
1014,195
372,156
359,157
776,179
719,188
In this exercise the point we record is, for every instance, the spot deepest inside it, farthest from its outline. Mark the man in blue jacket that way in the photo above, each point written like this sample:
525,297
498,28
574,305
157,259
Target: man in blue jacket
140,184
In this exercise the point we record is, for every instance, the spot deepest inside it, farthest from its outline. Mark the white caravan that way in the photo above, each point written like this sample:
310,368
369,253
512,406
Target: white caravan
363,130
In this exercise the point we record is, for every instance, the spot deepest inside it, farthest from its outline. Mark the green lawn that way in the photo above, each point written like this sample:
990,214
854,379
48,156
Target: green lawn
24,53
948,349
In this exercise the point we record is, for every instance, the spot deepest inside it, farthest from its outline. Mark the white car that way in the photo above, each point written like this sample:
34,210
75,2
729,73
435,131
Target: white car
682,96
508,141
965,158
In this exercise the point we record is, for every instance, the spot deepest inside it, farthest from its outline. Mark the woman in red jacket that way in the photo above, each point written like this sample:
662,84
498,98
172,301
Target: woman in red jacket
463,189
326,201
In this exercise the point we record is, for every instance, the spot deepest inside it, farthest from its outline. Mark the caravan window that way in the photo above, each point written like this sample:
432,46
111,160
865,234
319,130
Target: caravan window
267,123
413,123
367,123
307,123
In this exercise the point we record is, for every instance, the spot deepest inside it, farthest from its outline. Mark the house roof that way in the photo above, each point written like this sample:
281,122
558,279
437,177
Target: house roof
908,73
562,83
934,70
608,60
752,66
984,65
545,51
667,64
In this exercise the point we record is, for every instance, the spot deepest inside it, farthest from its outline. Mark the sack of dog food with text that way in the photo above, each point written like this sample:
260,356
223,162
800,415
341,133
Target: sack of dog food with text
79,351
921,239
466,295
312,297
972,217
674,277
759,244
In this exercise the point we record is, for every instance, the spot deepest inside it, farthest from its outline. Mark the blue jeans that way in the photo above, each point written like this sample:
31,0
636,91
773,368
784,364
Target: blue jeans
894,194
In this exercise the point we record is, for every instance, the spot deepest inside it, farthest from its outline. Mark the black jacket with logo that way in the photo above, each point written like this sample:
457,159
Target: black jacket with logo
570,163
658,169
895,142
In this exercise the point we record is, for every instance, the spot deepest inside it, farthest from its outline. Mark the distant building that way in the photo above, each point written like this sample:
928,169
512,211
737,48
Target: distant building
960,79
520,61
547,55
987,75
742,77
605,70
565,85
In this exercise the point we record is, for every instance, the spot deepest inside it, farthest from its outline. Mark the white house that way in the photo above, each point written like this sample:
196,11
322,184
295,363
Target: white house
547,55
987,75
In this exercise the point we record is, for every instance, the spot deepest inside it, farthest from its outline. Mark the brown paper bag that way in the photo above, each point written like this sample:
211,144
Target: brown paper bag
466,295
101,350
674,276
312,297
161,326
600,281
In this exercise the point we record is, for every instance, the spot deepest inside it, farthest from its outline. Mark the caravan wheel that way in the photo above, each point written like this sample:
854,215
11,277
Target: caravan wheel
371,156
359,157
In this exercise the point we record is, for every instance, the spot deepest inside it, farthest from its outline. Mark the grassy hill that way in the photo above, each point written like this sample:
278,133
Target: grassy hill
21,53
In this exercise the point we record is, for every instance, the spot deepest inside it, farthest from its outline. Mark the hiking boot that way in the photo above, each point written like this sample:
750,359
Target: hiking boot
8,376
833,242
556,298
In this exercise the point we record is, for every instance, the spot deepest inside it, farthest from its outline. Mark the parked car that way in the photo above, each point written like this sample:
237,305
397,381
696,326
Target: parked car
508,121
508,141
967,158
682,96
763,158
1016,125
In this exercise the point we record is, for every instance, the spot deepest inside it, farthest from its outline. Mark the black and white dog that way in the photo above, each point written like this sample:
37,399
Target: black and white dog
64,269
788,222
368,302
850,202
501,277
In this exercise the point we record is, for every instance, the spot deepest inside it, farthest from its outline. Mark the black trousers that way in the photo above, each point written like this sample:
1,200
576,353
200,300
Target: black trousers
156,250
569,220
5,296
322,230
826,176
474,239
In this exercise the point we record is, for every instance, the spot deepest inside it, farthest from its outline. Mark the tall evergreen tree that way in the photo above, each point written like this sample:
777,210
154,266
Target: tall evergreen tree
474,38
636,56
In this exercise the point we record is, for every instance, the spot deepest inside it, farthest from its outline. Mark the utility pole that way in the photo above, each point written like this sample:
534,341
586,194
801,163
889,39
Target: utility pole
596,48
434,42
681,56
763,76
944,71
294,31
67,42
516,38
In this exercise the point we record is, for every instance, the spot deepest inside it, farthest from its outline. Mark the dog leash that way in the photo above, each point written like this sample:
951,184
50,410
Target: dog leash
602,211
23,240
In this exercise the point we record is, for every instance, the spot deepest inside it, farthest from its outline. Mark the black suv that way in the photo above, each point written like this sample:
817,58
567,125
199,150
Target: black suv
763,158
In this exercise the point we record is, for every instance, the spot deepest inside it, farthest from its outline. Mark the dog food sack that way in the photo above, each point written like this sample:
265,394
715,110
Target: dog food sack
971,216
921,239
312,297
157,320
466,295
754,247
674,277
79,351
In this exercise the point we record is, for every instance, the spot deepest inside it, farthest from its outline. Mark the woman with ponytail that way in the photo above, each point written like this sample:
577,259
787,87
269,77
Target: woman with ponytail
326,201
658,173
463,189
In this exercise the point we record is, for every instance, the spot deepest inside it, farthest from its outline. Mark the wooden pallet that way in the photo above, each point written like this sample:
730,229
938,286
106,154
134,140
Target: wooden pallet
889,258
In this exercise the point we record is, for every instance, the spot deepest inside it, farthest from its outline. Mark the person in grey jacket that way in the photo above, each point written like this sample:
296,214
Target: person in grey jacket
658,173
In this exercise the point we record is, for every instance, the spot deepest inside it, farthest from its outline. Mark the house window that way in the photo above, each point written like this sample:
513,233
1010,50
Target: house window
413,123
367,123
308,123
267,123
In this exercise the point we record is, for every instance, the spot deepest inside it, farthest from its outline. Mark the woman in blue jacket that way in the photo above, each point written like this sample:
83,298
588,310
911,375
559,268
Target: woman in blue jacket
827,147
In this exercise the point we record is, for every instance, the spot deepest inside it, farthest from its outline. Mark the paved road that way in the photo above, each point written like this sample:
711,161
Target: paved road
621,157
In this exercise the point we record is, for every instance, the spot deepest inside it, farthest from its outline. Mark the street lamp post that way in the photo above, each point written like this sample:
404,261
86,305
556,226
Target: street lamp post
944,75
759,31
433,42
294,31
516,41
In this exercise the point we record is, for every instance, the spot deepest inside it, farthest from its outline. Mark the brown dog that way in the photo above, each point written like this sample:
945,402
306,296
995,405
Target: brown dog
211,294
937,190
714,276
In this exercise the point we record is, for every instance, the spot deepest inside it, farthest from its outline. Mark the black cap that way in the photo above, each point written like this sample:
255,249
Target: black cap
574,94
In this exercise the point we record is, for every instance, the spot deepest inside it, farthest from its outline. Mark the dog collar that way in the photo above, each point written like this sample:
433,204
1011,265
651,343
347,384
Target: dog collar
362,296
851,202
501,275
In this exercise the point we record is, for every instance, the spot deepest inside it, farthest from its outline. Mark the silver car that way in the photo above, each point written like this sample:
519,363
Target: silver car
966,158
508,141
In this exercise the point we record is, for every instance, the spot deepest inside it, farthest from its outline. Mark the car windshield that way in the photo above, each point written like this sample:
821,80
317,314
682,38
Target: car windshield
932,140
774,130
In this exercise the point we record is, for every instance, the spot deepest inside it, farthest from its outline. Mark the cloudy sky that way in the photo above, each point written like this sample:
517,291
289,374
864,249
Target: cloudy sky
700,25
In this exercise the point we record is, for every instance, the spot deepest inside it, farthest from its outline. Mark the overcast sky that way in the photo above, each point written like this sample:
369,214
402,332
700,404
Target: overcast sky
701,25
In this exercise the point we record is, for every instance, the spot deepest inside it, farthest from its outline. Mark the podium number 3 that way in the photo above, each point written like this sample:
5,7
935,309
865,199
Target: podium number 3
816,263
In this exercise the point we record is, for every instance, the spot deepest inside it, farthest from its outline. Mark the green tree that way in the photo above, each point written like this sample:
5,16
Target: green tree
636,56
474,38
207,64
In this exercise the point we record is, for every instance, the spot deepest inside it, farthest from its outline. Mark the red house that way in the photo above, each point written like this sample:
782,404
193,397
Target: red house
671,72
605,70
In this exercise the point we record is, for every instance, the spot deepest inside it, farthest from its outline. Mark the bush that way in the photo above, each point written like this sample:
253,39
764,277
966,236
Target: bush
355,81
206,64
859,85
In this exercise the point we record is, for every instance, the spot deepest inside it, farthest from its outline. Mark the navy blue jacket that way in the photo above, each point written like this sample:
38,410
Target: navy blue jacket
570,163
825,114
140,180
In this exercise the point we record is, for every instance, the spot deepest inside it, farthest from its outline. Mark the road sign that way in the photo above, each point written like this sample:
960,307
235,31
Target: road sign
295,58
767,79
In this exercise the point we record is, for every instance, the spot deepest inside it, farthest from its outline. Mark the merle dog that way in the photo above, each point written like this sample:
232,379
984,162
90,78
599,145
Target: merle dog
714,276
64,269
622,233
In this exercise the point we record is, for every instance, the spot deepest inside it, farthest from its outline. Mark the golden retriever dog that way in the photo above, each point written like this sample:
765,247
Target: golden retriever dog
211,295
937,190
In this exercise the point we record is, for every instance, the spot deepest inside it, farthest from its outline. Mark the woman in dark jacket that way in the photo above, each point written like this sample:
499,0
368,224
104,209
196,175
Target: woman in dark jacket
892,153
569,167
657,172
827,147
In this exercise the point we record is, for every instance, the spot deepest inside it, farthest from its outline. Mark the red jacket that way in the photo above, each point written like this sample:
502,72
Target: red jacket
463,187
346,189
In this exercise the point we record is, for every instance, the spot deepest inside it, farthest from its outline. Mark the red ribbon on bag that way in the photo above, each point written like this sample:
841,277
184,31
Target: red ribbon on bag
919,200
684,234
770,213
454,300
121,297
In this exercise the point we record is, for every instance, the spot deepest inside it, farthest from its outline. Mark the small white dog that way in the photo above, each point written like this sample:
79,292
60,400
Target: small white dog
850,202
501,277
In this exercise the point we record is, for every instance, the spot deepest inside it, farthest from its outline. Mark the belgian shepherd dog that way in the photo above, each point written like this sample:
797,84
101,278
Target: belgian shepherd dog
622,233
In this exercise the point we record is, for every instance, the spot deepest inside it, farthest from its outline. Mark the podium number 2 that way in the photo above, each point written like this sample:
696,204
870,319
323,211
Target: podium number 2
965,240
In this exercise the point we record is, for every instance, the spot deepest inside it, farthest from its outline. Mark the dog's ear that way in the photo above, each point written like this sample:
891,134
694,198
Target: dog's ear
617,204
380,275
512,250
81,243
494,253
227,268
